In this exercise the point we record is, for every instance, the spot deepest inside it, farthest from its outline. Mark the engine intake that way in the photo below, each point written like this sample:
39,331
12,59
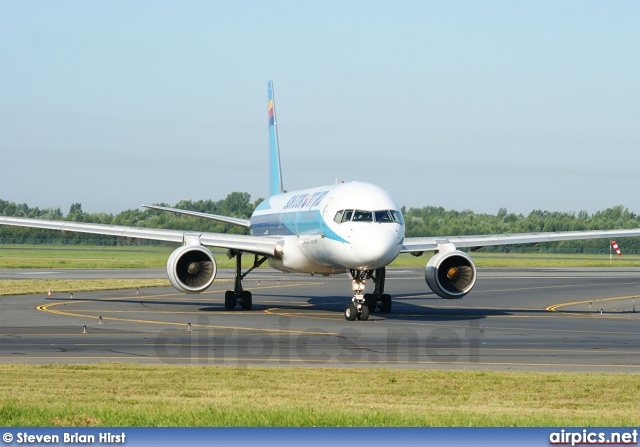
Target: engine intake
191,268
450,274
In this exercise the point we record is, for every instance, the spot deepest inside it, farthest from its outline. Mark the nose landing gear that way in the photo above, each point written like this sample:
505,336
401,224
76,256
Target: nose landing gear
358,307
363,304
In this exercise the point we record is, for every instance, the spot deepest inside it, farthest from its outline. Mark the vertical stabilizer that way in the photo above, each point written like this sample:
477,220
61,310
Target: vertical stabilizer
275,173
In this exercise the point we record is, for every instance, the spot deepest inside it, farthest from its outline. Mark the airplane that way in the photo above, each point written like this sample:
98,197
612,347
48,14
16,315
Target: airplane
352,227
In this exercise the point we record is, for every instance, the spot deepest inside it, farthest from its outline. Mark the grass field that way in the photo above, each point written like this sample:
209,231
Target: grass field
36,256
60,256
43,286
137,395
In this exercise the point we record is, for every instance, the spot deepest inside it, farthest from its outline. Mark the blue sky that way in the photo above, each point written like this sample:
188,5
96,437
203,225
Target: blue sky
466,105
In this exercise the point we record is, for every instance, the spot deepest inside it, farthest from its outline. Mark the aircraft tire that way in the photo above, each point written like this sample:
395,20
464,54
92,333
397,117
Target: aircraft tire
350,312
370,301
364,314
386,303
229,300
247,300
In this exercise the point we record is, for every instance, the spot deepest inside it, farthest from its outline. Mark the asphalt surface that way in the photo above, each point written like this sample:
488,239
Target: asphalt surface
514,319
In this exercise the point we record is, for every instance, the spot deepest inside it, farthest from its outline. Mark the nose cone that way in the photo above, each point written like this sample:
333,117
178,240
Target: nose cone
376,246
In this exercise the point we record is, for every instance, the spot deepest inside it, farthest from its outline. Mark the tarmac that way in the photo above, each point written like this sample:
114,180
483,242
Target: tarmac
514,319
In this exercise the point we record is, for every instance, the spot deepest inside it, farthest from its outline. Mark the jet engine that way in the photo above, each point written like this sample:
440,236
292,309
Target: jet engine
450,274
191,268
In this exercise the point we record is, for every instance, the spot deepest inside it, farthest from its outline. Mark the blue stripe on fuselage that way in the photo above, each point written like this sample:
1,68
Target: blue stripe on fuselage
302,222
264,205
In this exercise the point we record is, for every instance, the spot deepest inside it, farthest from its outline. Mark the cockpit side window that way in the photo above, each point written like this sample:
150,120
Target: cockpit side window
362,216
346,217
397,216
338,218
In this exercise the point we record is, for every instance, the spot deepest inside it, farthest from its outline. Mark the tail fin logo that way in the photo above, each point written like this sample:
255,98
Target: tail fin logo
272,120
275,173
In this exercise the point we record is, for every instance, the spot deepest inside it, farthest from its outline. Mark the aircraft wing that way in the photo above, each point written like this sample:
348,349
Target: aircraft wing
225,219
252,244
419,244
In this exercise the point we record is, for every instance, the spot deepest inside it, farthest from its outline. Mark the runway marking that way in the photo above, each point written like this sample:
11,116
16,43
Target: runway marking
46,308
192,297
501,278
514,329
136,298
595,313
323,315
381,319
167,312
517,289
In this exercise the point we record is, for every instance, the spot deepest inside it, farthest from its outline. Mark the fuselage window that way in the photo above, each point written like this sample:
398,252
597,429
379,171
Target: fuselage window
362,216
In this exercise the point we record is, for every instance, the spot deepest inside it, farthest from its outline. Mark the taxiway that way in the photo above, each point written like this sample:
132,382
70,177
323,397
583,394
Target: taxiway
521,319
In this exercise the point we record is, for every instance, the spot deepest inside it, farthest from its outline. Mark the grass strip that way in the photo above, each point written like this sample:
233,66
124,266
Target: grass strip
36,256
38,286
45,257
113,394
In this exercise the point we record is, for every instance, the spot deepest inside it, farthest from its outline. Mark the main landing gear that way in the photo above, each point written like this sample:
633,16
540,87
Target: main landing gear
363,305
238,296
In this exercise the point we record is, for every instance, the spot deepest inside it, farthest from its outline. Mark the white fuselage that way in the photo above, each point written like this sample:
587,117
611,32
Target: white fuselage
332,229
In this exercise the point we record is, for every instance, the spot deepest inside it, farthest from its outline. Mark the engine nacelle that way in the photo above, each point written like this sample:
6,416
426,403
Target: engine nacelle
191,268
450,274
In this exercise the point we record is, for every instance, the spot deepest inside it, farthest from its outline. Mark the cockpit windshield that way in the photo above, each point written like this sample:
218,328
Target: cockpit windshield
384,216
362,216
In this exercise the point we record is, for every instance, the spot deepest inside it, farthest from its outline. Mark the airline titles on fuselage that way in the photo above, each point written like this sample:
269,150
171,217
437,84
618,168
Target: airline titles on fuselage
308,200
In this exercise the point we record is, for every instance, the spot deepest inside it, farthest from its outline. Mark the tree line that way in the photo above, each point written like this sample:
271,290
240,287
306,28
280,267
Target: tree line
437,221
236,204
426,221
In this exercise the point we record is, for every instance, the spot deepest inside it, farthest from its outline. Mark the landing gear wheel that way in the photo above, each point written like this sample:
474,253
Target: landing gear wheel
370,301
229,300
350,312
364,314
386,303
247,300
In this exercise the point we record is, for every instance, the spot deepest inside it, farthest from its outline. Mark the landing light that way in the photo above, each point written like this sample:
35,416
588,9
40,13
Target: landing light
357,285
